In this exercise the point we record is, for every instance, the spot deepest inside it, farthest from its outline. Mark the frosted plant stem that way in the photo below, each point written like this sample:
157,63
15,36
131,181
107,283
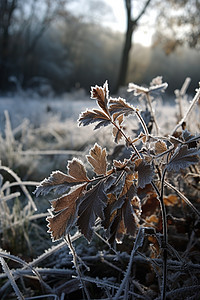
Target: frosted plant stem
180,94
23,187
192,104
75,261
165,236
152,113
137,244
144,126
11,279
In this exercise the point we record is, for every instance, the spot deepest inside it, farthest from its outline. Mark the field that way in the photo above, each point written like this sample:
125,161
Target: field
41,135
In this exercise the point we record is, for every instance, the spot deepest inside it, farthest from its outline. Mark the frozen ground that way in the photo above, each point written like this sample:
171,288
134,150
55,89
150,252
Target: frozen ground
39,111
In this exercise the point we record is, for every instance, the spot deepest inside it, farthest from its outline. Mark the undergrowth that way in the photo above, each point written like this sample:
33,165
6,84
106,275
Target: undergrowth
137,206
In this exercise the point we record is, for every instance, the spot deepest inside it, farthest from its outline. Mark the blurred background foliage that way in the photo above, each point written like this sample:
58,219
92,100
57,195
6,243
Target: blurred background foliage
50,43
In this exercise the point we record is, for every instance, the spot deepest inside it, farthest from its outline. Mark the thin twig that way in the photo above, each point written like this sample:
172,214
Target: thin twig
192,104
75,261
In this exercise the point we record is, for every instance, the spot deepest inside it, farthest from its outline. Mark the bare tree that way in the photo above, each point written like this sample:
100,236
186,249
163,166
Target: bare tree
132,24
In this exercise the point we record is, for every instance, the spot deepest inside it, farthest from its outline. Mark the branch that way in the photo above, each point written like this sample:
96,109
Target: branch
142,11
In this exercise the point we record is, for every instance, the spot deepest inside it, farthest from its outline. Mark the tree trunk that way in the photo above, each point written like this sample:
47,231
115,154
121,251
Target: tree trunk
131,27
125,57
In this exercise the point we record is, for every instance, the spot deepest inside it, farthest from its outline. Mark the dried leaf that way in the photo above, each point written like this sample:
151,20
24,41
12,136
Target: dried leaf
77,170
120,107
66,205
101,95
124,211
117,135
150,204
98,159
183,158
108,213
152,219
57,181
60,182
171,200
145,172
92,116
92,206
160,147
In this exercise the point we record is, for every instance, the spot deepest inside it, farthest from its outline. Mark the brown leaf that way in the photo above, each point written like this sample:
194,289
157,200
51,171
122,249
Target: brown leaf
77,170
171,200
98,159
92,116
150,205
57,181
101,95
109,215
120,107
117,135
62,222
125,218
160,147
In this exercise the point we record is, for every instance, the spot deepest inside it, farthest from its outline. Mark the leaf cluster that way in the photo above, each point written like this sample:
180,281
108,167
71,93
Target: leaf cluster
112,196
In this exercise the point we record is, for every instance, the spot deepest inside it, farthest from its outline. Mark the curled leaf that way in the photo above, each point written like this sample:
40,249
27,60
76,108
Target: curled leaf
101,95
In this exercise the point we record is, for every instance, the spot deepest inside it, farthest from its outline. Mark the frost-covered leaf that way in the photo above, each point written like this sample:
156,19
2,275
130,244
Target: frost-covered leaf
101,95
183,158
121,213
160,147
117,134
120,107
98,159
91,206
190,139
125,219
77,170
159,87
93,116
136,89
66,206
145,172
59,182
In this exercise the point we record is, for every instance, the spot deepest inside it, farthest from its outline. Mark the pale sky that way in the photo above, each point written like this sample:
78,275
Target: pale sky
143,35
116,19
